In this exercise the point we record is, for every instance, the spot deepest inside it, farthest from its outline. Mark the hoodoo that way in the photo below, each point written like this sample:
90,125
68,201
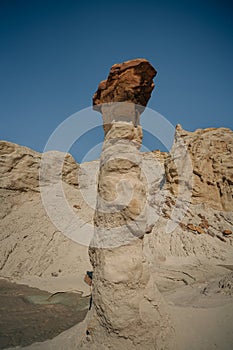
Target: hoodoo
128,310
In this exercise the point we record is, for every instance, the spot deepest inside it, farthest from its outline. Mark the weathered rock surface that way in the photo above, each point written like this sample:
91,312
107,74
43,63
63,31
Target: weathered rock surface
19,167
32,248
128,310
129,83
210,170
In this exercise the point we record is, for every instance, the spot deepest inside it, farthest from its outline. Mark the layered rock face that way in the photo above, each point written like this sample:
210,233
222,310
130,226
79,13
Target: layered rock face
128,310
210,153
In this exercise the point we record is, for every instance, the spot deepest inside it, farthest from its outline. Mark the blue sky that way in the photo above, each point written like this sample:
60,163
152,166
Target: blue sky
55,53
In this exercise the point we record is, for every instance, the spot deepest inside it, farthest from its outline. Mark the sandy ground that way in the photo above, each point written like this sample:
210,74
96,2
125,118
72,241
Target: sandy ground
204,328
66,340
202,321
70,283
202,314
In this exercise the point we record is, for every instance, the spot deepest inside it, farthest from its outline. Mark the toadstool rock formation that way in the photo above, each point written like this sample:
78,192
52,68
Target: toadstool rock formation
128,310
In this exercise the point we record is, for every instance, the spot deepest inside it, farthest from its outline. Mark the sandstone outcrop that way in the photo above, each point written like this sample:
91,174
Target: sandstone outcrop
128,310
19,167
32,247
209,176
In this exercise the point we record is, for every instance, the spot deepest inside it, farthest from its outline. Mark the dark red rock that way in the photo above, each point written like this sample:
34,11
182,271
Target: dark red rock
130,81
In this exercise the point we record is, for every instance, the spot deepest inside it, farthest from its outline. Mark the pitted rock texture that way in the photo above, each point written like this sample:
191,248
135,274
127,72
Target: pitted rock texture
121,192
129,311
208,176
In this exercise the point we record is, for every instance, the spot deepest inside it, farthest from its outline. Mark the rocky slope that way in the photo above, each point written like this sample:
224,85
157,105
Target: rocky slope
33,250
22,213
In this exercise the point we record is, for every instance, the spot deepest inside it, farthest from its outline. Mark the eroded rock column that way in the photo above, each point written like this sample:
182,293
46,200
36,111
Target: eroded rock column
128,310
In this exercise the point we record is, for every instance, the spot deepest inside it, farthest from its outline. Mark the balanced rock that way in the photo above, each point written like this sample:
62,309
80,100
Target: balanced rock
128,309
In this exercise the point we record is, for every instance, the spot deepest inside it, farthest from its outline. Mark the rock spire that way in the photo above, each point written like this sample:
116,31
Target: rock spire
128,310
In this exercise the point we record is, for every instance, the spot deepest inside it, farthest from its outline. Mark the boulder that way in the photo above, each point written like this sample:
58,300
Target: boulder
129,83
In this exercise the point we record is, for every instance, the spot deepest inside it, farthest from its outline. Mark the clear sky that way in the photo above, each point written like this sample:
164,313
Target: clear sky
54,54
